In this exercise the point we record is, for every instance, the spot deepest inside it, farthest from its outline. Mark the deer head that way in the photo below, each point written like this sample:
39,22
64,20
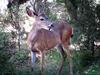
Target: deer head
41,20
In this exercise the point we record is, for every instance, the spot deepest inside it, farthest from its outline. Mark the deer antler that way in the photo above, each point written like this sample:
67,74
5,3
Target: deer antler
42,7
33,3
38,6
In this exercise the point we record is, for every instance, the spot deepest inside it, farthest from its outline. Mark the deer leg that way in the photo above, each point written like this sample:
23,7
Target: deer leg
33,59
63,54
42,63
69,57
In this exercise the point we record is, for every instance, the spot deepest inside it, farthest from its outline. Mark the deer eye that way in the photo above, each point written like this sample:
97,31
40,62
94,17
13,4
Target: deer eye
42,19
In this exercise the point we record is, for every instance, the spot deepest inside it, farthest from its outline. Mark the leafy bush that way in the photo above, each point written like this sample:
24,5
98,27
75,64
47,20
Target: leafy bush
93,69
5,66
4,39
21,55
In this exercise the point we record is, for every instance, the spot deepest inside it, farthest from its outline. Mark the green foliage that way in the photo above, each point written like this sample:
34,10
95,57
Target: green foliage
52,16
85,63
60,1
93,69
4,39
21,55
53,55
5,66
87,57
98,11
23,72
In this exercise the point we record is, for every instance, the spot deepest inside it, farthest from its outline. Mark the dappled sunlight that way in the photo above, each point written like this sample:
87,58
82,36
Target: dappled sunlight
83,16
97,1
50,0
28,24
3,6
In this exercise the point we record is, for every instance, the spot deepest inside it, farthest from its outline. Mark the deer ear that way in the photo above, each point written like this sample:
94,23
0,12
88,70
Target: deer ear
30,12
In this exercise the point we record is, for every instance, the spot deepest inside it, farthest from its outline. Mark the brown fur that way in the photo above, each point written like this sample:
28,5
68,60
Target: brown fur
64,29
45,40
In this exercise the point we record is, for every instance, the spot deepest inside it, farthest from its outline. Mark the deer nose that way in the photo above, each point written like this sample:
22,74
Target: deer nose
51,26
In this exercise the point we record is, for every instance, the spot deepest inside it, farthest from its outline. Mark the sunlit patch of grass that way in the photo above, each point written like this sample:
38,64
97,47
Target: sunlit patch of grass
53,56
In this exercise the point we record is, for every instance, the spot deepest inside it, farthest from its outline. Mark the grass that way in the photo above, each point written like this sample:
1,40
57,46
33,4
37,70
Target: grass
22,64
52,62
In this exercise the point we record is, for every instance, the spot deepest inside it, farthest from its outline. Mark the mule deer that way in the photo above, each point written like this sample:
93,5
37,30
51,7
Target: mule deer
46,35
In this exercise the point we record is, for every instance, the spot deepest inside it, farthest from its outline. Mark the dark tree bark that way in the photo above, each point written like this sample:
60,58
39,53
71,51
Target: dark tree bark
72,8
